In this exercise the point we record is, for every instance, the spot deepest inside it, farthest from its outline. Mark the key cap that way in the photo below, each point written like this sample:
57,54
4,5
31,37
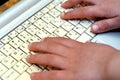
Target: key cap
86,23
57,22
33,19
90,33
42,33
24,36
27,24
73,35
18,54
9,61
60,32
6,39
34,38
3,69
39,14
84,37
80,29
50,28
20,67
1,44
10,75
44,10
32,29
40,23
25,76
2,56
55,13
24,47
50,6
34,68
7,49
20,29
13,34
47,18
74,22
67,26
16,42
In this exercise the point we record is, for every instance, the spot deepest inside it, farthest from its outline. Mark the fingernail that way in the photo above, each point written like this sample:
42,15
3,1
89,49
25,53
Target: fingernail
62,15
32,74
95,28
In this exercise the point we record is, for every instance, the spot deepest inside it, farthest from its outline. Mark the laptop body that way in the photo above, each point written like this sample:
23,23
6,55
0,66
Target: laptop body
19,13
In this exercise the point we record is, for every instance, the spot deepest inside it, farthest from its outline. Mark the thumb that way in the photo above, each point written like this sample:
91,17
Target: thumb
106,25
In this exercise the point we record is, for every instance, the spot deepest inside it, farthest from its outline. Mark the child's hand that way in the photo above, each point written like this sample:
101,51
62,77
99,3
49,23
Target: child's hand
108,10
76,61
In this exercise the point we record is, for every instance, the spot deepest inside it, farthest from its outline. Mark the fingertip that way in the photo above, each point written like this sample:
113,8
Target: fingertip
95,28
28,58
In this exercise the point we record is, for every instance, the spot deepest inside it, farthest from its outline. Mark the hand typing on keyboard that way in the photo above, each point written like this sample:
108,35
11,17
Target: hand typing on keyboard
107,10
74,60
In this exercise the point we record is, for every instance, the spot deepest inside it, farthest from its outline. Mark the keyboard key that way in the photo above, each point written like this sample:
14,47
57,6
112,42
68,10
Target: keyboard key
74,22
47,18
10,75
13,34
1,44
25,76
57,22
6,39
44,10
24,47
3,69
39,14
67,26
27,24
50,6
55,13
50,28
9,62
80,29
42,33
73,35
34,68
33,19
7,49
20,29
16,42
90,33
18,54
32,29
24,36
2,56
86,23
84,37
60,32
40,23
34,38
20,67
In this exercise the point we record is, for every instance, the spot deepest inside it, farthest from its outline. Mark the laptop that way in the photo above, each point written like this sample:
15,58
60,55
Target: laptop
29,21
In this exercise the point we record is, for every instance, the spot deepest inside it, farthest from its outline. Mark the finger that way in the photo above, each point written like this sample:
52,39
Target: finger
87,12
49,47
48,60
52,75
71,3
106,25
63,41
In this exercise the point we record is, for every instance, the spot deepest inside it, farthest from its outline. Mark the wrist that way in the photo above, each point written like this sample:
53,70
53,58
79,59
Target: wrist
114,67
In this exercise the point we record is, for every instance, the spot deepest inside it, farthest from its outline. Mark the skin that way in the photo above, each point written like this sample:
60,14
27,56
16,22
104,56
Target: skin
80,61
74,60
107,10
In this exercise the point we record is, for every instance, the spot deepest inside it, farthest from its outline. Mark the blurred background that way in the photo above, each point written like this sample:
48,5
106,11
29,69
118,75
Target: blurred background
5,4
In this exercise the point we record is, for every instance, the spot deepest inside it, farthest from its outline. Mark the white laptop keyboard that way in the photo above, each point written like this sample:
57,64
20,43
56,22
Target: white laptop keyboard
45,23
